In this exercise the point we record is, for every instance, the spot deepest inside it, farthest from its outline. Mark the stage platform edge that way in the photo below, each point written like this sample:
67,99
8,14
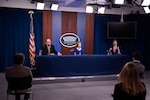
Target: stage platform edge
47,80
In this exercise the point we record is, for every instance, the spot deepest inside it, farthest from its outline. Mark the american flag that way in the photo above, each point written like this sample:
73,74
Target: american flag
32,48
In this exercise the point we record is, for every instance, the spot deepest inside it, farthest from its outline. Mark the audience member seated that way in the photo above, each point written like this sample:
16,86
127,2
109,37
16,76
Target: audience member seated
49,49
140,67
115,48
78,50
129,86
18,72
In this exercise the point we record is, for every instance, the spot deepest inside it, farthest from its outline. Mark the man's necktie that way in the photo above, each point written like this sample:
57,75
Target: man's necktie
49,50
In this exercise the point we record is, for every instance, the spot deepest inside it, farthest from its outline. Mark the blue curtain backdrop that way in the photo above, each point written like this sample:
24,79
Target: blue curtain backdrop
14,34
141,43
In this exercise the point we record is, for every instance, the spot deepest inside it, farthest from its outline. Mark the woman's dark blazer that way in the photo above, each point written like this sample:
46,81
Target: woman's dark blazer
120,94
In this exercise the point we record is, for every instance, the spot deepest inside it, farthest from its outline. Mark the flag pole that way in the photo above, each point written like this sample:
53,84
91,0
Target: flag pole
31,41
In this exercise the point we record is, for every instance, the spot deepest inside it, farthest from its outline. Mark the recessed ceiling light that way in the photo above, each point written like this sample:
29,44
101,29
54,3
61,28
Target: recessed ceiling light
101,10
147,10
146,3
54,7
89,9
40,6
119,1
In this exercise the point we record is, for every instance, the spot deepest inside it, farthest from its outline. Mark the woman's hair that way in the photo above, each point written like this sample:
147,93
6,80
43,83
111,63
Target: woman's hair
130,79
114,40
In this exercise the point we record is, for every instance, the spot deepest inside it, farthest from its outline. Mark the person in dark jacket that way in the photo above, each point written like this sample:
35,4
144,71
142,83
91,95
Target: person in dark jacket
18,70
140,67
49,49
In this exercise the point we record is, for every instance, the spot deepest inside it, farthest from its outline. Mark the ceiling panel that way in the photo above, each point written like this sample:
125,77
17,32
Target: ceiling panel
76,5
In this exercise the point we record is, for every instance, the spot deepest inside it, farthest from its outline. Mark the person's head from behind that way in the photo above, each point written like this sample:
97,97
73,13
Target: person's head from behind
79,45
115,43
128,72
48,42
19,58
130,79
136,56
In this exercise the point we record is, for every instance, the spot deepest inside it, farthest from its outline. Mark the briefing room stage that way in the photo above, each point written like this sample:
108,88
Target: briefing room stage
79,65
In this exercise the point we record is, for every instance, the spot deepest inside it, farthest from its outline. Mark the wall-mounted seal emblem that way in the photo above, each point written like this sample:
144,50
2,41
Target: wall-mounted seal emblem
69,40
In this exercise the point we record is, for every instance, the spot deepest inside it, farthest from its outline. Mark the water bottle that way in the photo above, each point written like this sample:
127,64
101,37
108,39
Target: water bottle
108,53
79,53
75,53
40,52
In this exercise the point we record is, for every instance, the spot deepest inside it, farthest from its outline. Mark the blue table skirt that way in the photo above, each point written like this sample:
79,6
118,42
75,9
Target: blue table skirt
80,65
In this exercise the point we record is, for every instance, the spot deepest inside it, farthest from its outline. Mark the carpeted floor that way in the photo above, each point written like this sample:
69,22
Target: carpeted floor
76,88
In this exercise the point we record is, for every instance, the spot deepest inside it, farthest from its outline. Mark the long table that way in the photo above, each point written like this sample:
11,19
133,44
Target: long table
80,65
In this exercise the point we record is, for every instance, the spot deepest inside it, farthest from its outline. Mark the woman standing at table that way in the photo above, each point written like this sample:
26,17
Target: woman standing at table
129,86
115,48
78,50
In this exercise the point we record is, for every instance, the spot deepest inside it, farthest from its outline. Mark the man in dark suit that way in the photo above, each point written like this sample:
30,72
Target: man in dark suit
49,49
19,70
140,67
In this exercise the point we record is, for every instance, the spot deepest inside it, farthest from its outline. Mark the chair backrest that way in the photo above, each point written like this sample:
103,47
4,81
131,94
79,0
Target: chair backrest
19,83
141,75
